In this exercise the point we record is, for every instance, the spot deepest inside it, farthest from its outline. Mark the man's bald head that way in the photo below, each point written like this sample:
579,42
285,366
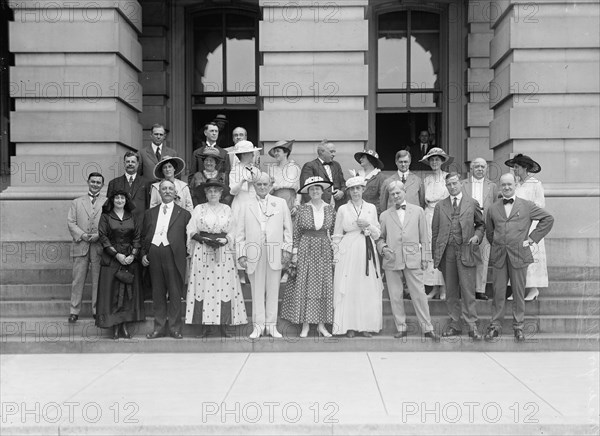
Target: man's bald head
508,185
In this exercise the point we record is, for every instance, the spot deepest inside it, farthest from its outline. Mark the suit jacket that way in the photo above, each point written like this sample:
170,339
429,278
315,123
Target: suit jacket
415,191
83,217
316,168
416,154
507,234
410,241
139,192
148,160
197,164
278,232
471,223
490,193
176,235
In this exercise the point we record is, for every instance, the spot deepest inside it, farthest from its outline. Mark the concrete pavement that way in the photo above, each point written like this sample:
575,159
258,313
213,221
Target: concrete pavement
300,393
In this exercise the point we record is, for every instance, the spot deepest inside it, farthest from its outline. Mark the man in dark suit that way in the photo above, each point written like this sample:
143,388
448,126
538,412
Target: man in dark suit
131,182
420,149
413,185
480,188
211,131
457,231
164,251
153,153
324,166
507,229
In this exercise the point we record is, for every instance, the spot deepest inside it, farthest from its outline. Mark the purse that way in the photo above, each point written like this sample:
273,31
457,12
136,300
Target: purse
124,276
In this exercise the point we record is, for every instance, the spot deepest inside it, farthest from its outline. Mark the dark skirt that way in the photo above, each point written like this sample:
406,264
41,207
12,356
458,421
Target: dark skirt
118,303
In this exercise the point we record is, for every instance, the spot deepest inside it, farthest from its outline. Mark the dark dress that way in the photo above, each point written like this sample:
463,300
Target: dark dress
372,191
117,302
309,297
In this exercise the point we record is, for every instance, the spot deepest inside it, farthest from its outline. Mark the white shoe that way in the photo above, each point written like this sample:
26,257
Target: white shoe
284,279
510,298
274,333
322,330
532,294
256,333
305,329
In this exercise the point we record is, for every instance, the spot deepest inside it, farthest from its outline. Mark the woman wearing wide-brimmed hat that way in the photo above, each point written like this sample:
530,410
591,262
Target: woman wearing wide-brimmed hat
214,296
285,175
435,190
212,169
357,285
168,168
371,171
308,297
530,188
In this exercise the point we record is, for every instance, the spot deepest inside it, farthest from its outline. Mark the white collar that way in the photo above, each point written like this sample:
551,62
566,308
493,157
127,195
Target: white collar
458,197
400,173
372,173
169,205
474,180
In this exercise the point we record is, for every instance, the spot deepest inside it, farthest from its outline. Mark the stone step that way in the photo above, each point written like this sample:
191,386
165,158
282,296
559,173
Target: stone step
53,328
539,342
62,291
589,306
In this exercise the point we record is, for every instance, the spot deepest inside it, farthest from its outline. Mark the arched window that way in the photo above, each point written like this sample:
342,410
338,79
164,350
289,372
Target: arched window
409,80
224,70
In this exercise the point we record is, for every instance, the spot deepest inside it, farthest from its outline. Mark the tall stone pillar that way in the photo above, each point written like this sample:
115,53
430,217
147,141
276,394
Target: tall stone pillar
314,77
77,97
546,101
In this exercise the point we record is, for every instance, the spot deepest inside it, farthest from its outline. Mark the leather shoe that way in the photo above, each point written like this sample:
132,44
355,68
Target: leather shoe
451,331
432,335
176,335
519,336
474,334
350,333
73,318
401,335
367,334
116,332
481,296
224,333
125,332
491,333
155,334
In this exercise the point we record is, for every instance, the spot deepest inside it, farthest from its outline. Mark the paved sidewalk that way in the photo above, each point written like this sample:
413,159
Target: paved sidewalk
300,393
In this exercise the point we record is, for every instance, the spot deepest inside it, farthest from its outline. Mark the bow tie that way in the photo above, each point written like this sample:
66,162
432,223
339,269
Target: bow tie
508,201
328,163
93,195
402,206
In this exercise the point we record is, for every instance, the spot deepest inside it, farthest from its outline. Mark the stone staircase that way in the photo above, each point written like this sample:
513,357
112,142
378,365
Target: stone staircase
33,319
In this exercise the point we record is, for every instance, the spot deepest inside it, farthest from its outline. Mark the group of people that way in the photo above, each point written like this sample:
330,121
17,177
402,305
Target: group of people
334,241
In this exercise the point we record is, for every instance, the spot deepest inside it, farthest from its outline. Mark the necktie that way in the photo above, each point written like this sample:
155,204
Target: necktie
403,179
165,209
508,201
402,206
130,181
455,204
424,148
158,155
328,163
93,198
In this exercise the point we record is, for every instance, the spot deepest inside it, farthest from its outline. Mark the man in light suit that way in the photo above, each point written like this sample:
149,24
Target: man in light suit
457,230
154,152
131,182
415,191
82,221
264,237
325,167
404,245
507,229
164,251
485,192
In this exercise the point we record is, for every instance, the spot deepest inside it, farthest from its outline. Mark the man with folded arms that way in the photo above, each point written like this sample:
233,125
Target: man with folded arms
507,229
457,231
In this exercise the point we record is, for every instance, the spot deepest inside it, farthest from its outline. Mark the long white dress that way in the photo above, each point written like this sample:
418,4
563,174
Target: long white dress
357,300
214,293
435,191
537,272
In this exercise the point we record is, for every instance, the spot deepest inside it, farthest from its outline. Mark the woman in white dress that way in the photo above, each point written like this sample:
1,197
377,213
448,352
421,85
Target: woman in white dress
242,176
214,295
530,188
167,169
285,175
435,190
357,285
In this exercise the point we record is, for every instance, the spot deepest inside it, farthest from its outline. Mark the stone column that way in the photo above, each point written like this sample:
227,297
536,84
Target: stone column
545,98
314,78
77,98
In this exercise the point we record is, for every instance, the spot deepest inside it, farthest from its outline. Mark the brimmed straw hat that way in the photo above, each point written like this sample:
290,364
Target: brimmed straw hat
314,181
286,145
436,151
177,162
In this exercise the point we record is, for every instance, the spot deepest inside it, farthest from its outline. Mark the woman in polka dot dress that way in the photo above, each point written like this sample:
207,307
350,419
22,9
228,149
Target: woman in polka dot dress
308,297
214,295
